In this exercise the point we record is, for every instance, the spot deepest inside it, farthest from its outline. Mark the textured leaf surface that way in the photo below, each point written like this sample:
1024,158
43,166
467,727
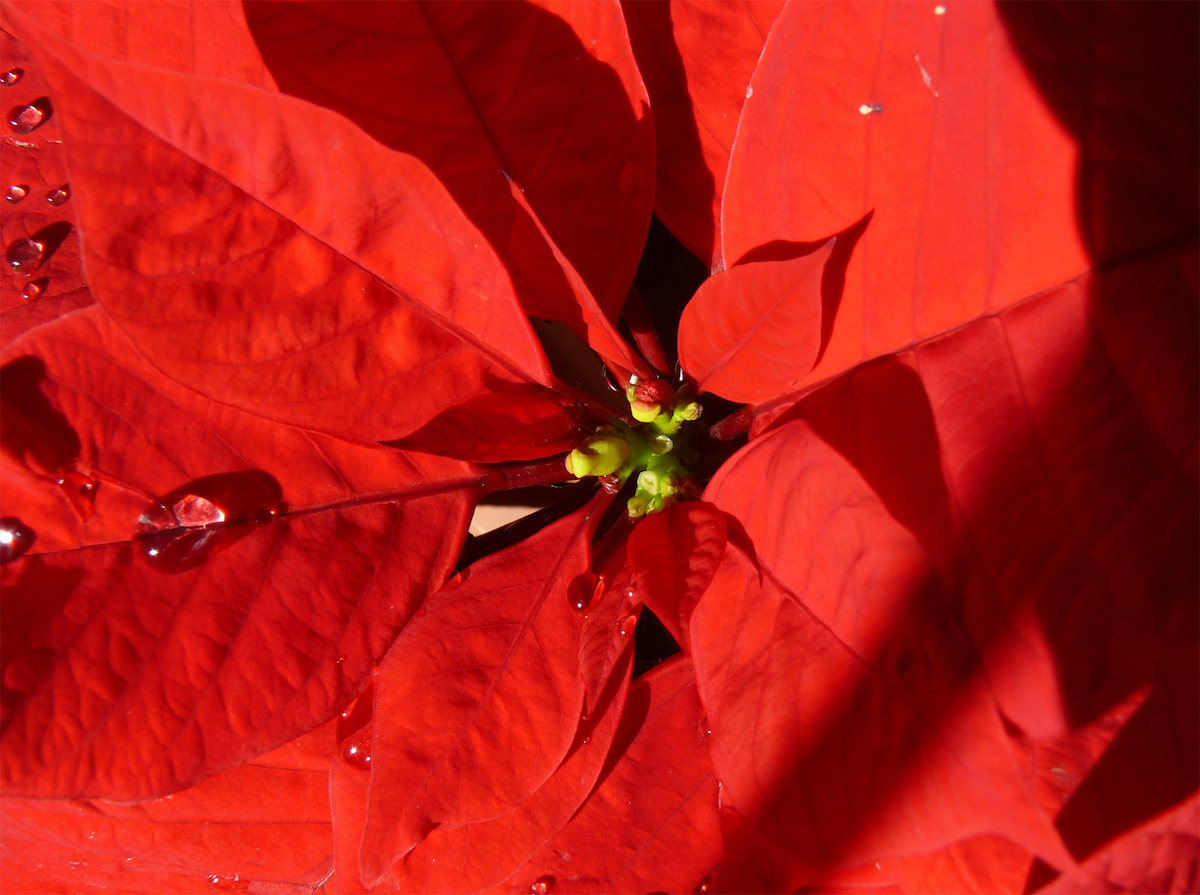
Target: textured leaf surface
466,88
669,834
697,59
262,825
482,694
279,259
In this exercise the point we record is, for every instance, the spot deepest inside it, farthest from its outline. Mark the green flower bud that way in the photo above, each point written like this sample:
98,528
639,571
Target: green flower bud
599,455
660,444
644,412
686,412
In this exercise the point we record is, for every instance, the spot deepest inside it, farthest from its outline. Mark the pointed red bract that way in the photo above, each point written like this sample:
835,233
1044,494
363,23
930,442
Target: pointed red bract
660,785
313,288
674,555
263,825
468,89
931,121
697,59
751,331
480,699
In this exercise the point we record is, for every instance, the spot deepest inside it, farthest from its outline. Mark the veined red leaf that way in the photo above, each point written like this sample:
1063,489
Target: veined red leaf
674,555
91,403
263,825
893,744
482,695
465,87
343,293
138,669
668,836
697,59
931,121
752,330
475,856
209,39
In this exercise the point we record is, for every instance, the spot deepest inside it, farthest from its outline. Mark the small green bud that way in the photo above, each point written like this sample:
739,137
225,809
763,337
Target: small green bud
648,481
599,455
639,505
686,412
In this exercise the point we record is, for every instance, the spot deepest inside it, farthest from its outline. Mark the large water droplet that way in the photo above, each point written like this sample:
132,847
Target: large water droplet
356,749
15,539
357,714
11,76
584,590
34,289
542,885
60,195
24,255
24,119
16,193
81,492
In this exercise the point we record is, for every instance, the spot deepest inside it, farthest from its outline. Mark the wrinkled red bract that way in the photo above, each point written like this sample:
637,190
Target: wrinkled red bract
939,613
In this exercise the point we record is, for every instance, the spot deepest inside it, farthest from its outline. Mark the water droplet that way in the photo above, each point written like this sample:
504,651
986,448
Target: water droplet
213,500
626,178
870,108
60,195
229,883
749,92
16,193
542,885
11,76
356,749
80,490
584,590
357,714
15,538
35,288
24,119
703,887
628,625
24,255
610,379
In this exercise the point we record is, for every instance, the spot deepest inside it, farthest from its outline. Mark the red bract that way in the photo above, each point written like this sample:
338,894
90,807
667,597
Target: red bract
938,614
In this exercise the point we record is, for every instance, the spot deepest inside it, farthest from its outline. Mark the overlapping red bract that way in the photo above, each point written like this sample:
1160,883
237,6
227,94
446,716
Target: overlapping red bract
939,614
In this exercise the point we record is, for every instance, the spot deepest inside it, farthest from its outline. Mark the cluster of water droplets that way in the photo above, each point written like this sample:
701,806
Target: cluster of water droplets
26,255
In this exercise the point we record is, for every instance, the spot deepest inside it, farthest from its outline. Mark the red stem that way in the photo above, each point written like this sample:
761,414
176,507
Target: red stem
507,476
644,333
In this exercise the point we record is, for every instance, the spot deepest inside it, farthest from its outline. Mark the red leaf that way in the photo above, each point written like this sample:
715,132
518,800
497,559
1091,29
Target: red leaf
752,330
697,59
127,679
477,855
467,88
305,288
480,707
261,826
970,176
674,555
896,746
668,835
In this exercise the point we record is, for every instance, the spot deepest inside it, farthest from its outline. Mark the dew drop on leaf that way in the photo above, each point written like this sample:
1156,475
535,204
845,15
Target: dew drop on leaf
16,193
11,76
703,887
584,590
356,749
80,490
24,119
15,538
542,885
34,288
60,195
628,625
229,883
24,255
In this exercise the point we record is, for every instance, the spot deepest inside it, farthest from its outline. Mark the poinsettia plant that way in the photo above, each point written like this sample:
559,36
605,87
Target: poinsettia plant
910,481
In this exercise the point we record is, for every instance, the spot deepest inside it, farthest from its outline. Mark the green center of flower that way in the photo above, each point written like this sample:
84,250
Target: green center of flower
654,451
